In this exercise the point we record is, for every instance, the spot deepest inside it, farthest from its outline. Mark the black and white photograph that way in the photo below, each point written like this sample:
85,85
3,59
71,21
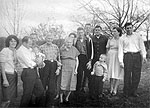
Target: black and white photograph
75,53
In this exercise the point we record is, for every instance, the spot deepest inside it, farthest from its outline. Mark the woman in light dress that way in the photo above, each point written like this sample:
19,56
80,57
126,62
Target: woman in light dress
115,72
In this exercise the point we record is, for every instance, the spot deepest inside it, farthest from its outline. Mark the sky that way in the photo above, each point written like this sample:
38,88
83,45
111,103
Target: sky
57,11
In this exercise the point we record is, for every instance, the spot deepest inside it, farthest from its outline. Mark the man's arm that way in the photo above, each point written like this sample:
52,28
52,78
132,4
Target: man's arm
105,73
120,52
77,64
93,71
23,58
92,49
58,62
89,65
3,56
143,50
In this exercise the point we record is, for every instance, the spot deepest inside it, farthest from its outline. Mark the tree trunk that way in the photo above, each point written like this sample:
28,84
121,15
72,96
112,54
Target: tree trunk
147,39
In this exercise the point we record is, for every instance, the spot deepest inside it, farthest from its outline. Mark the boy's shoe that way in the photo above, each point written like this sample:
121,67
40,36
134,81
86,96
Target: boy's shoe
100,96
5,104
114,94
134,95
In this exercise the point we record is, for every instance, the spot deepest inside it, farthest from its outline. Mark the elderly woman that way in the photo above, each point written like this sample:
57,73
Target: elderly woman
8,60
74,37
69,58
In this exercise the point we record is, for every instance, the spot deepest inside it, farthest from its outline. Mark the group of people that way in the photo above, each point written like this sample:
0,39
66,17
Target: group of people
50,72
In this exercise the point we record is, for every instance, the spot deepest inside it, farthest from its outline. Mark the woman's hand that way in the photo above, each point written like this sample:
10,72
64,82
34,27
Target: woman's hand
92,73
5,83
122,65
75,72
59,63
57,71
89,66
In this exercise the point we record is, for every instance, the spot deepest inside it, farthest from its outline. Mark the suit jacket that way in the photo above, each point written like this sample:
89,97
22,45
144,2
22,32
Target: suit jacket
89,48
99,46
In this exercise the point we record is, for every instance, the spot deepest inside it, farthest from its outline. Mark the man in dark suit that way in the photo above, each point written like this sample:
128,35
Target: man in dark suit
85,47
99,47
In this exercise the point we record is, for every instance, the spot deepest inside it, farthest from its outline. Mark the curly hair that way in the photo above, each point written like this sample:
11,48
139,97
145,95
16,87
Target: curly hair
119,30
9,38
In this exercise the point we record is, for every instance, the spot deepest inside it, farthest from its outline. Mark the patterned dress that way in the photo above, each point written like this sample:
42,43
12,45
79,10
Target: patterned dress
68,59
114,70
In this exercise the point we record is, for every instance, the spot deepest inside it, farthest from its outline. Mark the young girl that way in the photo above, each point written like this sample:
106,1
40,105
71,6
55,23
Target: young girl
100,75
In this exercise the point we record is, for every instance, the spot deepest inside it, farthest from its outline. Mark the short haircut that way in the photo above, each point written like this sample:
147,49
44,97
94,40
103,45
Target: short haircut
80,28
104,56
72,34
9,38
25,39
36,46
127,24
88,24
68,39
119,30
98,26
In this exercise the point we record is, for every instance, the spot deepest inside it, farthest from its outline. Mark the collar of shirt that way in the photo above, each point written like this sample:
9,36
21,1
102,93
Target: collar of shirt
103,64
81,38
30,49
98,36
49,44
130,35
26,57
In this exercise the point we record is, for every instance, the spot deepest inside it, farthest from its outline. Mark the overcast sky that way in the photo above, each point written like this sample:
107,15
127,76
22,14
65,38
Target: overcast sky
60,11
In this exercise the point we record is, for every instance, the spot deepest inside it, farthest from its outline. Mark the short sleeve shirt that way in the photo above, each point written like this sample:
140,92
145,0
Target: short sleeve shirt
51,51
7,57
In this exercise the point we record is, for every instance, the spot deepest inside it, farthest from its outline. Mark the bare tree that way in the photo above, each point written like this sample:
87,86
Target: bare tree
146,28
42,30
12,13
119,11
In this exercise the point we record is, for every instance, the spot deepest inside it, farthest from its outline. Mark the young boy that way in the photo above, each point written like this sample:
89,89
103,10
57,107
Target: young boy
39,57
100,75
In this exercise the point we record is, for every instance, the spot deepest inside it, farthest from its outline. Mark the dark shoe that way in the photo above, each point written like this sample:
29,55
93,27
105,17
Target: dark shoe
100,96
5,104
57,97
92,98
82,90
125,96
134,95
114,94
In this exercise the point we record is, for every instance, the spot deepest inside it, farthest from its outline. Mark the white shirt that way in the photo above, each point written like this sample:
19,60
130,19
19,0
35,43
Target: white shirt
100,69
6,56
25,57
132,43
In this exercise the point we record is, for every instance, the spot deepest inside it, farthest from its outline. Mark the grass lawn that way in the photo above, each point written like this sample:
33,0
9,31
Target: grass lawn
116,102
